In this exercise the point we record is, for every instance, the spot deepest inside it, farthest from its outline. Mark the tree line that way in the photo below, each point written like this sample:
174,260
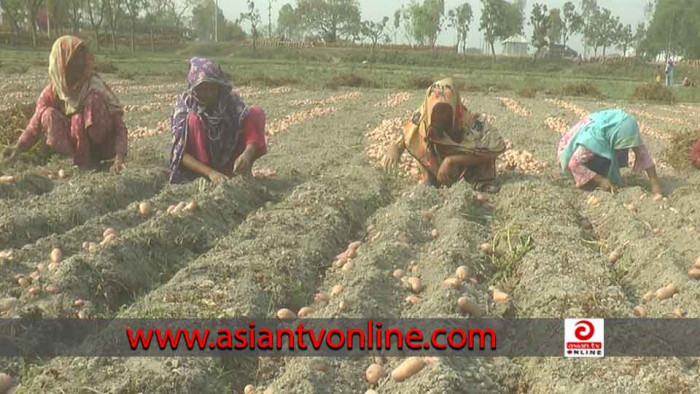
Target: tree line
670,26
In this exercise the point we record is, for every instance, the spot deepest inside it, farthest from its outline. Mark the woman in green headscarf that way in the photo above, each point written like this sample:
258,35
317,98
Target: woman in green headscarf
448,142
598,145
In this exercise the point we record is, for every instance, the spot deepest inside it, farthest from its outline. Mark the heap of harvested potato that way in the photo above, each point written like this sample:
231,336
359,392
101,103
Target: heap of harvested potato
580,112
329,100
379,139
281,125
651,116
515,107
394,100
523,161
557,124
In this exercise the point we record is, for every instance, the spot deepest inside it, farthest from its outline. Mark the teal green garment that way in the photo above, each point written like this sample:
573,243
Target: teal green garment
608,131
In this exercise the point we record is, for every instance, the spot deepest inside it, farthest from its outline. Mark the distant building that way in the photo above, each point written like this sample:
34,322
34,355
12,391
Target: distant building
516,45
558,51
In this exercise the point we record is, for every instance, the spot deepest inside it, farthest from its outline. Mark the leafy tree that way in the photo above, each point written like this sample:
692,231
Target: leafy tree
500,20
556,26
589,10
397,24
331,19
607,28
96,13
540,25
113,11
407,24
427,19
625,38
572,23
375,31
288,24
639,38
460,19
75,9
14,11
202,21
133,8
179,8
253,17
675,28
31,8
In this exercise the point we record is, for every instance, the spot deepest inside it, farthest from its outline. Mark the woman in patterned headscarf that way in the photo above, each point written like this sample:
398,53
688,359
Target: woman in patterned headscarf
76,112
214,133
448,142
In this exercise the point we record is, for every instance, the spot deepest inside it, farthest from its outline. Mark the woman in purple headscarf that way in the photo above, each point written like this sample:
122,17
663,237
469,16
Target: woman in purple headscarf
214,133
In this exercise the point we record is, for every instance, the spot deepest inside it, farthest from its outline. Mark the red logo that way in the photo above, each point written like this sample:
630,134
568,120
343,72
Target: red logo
584,330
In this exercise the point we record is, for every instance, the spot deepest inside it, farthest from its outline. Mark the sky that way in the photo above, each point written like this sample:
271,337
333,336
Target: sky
629,11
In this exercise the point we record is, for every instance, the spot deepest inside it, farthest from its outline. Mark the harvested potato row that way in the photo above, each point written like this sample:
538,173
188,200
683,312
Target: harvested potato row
515,107
71,204
394,100
324,102
138,258
242,276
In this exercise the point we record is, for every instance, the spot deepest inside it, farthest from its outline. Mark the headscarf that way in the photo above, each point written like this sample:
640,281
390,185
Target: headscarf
422,139
604,133
73,96
223,122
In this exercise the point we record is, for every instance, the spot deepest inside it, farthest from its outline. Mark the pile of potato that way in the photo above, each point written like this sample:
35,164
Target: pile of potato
515,107
649,115
523,161
394,100
142,132
281,125
264,173
143,107
557,124
648,130
379,139
580,112
329,100
280,90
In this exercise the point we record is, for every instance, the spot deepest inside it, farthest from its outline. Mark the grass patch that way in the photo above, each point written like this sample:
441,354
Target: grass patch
128,75
104,67
510,246
581,89
350,80
529,92
264,80
654,92
677,152
417,82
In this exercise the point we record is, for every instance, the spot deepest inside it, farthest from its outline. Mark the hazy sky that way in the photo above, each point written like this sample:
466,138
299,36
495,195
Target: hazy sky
629,11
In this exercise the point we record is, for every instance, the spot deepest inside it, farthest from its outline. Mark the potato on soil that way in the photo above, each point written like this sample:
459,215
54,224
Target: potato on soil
5,383
191,206
249,389
468,306
374,373
23,282
615,255
648,296
499,296
678,313
109,231
370,391
51,289
412,299
666,292
337,289
354,245
697,262
305,311
79,303
486,248
144,209
462,272
285,314
434,234
416,284
398,273
453,283
640,311
694,273
7,179
347,267
56,255
321,297
408,368
34,290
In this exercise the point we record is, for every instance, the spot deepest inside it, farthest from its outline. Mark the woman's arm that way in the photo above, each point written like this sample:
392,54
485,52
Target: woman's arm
194,165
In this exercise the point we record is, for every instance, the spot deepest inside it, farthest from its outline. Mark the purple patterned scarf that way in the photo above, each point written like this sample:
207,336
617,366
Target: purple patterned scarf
223,122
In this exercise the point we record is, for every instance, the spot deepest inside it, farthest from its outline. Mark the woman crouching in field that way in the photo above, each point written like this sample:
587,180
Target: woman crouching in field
695,155
448,142
76,112
215,134
594,149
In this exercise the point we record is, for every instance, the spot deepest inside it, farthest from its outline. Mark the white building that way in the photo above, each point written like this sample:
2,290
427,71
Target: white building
516,45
